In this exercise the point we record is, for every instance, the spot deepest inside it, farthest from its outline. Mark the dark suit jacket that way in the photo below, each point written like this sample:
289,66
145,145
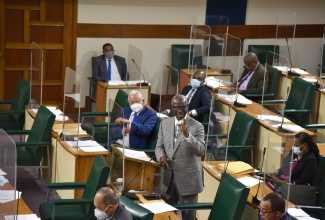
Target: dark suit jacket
255,84
201,101
99,68
304,171
140,128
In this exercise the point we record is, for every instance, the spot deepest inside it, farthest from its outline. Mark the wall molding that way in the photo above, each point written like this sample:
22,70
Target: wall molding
89,30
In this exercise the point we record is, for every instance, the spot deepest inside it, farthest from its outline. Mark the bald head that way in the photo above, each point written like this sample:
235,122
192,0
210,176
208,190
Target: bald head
251,61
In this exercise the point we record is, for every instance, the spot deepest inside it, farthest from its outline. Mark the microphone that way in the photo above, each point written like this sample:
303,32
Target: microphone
255,199
281,128
237,131
290,73
131,195
144,83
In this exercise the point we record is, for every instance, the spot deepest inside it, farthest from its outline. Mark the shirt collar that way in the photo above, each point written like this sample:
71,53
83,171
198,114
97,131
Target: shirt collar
176,121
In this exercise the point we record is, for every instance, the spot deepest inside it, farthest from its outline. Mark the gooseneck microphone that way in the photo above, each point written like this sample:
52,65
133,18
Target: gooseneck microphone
281,128
290,73
255,199
131,195
144,83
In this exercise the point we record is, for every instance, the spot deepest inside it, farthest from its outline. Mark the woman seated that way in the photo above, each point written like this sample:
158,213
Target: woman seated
304,166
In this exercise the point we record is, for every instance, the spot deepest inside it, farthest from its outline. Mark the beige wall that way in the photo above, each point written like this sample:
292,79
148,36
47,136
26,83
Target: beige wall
156,52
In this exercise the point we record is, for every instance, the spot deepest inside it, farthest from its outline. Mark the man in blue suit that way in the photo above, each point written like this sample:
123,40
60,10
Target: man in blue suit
138,122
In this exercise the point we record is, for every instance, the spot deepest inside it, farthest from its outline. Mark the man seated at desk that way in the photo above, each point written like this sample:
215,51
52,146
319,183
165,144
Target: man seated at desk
272,207
107,206
108,66
198,97
252,79
137,124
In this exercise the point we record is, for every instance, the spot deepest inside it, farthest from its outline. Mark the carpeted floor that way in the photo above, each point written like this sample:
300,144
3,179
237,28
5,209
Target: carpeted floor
33,188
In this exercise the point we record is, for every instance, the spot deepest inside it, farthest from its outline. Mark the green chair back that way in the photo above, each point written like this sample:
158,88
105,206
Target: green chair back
40,132
261,52
137,211
242,132
274,79
180,56
121,99
300,97
97,179
153,136
320,172
230,199
19,101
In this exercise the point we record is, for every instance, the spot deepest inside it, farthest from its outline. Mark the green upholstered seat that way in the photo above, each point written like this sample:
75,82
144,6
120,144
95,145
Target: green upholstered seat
152,138
261,52
81,209
137,211
241,138
99,129
14,118
274,79
229,202
299,102
318,211
37,145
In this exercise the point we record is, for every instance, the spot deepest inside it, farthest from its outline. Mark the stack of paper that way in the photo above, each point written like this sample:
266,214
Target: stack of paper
299,214
237,167
3,179
139,155
240,98
9,195
22,217
273,118
294,128
299,71
129,82
87,146
158,207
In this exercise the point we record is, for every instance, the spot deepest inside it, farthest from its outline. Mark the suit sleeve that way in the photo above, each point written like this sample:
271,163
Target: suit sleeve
95,65
206,103
196,141
307,173
160,150
145,128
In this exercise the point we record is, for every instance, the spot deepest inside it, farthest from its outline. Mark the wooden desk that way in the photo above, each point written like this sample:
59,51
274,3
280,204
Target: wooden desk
264,129
211,184
8,207
185,76
106,92
68,164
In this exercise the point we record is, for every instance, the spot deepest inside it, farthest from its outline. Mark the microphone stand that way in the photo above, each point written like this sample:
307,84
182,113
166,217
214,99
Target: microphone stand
290,73
144,83
255,199
281,128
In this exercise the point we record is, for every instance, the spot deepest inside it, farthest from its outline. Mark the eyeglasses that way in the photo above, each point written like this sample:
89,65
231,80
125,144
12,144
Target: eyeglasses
182,108
263,211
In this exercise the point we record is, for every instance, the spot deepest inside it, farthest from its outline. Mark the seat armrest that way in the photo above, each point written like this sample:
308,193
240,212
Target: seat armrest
66,185
314,126
25,132
33,144
239,147
18,112
312,208
58,202
297,110
221,136
93,114
193,206
276,101
149,151
5,102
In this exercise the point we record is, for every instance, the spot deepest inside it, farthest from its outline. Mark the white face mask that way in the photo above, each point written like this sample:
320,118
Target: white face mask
136,107
100,214
296,150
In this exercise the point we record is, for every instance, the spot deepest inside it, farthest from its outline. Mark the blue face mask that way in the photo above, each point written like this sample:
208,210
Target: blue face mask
195,83
296,150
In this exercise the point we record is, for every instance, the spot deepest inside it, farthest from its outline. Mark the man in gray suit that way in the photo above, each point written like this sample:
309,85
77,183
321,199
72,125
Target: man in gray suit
179,148
252,79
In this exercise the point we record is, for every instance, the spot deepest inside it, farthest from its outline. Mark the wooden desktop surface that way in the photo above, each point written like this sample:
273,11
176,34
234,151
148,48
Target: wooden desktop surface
8,207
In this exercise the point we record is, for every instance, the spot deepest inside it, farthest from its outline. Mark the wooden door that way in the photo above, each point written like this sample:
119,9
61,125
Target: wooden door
49,24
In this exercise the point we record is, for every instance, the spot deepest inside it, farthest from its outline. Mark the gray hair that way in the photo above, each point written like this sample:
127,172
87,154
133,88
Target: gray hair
135,92
109,196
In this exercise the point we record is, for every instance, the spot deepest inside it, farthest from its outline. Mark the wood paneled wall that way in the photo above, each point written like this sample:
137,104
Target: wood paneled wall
50,25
